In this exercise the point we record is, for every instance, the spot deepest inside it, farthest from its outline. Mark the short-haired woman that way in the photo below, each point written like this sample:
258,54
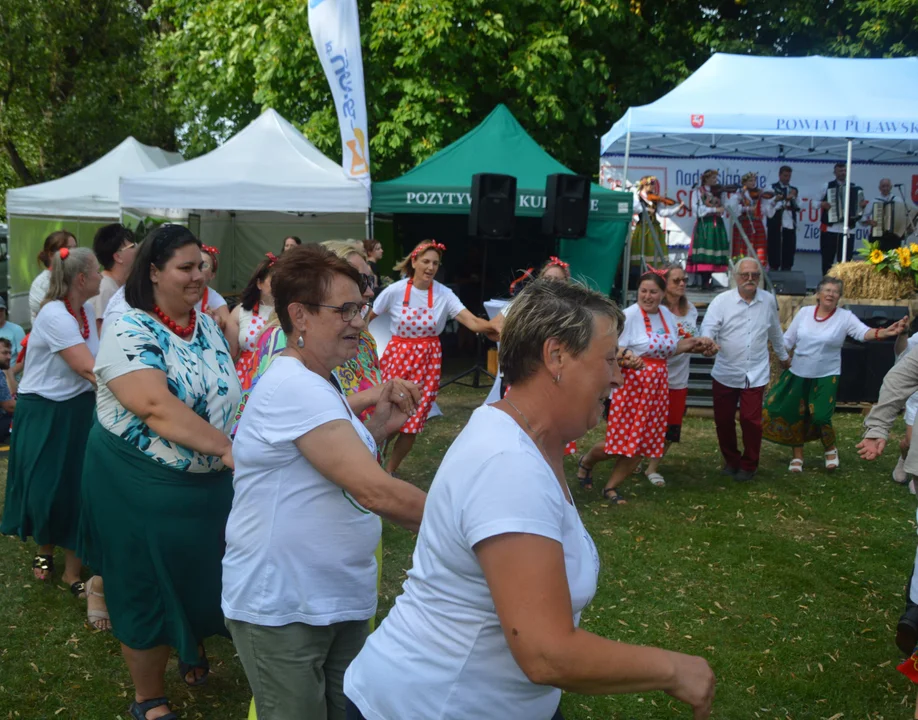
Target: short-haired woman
419,308
638,412
248,319
800,406
212,303
299,575
53,414
487,624
157,481
39,288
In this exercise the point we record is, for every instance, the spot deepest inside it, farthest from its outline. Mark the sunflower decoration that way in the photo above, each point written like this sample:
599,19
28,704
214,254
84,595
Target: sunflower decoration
913,248
905,257
876,256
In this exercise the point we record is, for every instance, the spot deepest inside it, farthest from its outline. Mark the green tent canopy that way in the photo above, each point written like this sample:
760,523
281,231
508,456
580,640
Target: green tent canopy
442,185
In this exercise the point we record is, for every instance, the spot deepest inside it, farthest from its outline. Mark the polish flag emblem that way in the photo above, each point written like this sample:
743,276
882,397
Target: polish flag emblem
697,121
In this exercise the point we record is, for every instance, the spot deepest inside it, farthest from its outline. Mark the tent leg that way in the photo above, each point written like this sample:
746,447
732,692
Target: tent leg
626,266
369,225
627,158
233,246
847,204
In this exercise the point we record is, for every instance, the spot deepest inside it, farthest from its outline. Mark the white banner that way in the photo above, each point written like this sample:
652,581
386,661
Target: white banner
678,176
335,28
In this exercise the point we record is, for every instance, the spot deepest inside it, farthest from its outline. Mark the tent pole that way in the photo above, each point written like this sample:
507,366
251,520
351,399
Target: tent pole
233,246
847,204
627,157
369,224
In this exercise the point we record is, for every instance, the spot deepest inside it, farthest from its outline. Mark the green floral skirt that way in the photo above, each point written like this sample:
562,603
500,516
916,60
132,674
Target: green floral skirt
798,410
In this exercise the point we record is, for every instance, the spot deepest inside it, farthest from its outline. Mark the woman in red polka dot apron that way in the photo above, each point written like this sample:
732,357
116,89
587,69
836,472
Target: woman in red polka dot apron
419,308
638,410
248,319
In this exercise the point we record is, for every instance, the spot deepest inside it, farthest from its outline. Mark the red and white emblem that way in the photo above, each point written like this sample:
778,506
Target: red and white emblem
697,121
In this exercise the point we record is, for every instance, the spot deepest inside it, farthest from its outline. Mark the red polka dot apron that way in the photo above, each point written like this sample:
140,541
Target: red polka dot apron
414,354
637,415
250,327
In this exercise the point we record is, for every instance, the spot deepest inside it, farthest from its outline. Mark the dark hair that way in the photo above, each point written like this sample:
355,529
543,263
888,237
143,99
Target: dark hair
683,301
370,244
108,241
54,242
290,237
6,342
840,164
654,278
304,274
157,249
785,168
250,294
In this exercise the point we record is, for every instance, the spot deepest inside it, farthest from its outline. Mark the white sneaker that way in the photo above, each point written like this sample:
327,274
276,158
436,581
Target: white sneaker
899,475
911,486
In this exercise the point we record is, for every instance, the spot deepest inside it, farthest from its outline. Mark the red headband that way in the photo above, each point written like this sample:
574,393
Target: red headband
660,273
210,250
559,262
272,257
63,252
522,278
424,247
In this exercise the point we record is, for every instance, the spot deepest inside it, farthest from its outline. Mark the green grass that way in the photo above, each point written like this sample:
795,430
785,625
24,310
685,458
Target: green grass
790,586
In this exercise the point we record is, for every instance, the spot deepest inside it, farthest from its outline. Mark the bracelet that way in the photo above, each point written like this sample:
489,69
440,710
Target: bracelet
876,334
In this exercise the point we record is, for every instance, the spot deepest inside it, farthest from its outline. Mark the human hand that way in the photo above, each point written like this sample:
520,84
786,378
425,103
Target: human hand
824,205
786,363
227,458
897,328
397,402
870,448
863,204
628,359
694,683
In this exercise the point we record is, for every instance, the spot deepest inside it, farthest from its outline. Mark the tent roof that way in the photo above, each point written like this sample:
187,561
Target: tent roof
793,107
498,145
92,191
269,165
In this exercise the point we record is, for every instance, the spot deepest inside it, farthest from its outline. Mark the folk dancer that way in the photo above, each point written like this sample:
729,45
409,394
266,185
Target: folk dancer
782,226
710,249
887,217
749,208
831,229
649,206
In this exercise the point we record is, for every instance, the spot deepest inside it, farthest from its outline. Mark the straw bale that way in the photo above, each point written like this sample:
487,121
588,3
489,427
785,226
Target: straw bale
862,281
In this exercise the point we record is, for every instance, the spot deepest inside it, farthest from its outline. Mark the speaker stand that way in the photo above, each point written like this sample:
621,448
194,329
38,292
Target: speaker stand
477,370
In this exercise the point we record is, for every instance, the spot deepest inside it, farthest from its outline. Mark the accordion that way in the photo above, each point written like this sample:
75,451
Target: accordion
887,220
837,201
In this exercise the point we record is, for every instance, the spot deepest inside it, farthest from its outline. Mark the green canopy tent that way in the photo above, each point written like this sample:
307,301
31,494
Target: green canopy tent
441,185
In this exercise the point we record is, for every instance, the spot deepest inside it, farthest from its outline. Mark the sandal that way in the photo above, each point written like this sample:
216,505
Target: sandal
656,479
586,481
832,459
639,469
78,589
184,669
139,710
94,615
45,563
611,494
796,465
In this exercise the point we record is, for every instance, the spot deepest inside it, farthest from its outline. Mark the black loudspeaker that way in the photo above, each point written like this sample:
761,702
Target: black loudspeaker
493,206
864,365
567,205
788,282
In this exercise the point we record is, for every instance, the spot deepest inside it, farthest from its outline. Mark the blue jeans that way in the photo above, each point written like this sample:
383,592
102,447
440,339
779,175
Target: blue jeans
354,714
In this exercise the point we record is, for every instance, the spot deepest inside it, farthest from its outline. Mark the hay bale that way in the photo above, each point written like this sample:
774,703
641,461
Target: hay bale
862,281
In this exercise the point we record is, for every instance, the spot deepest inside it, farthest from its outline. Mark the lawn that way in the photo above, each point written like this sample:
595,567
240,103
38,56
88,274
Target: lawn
790,586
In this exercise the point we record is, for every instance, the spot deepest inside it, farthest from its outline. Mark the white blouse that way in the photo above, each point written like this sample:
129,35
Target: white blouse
678,365
635,337
817,345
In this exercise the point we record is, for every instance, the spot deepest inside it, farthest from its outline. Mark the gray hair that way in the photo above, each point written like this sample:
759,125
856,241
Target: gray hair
546,309
345,248
829,280
64,272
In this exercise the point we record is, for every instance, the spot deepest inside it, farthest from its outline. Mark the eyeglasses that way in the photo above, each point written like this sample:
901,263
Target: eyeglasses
679,280
129,246
750,275
366,281
348,311
206,266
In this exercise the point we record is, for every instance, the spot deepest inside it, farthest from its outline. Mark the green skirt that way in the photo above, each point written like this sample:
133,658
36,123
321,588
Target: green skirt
156,534
798,410
45,469
710,248
642,241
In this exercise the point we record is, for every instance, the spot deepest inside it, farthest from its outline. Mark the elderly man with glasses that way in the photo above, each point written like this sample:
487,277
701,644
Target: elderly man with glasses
742,322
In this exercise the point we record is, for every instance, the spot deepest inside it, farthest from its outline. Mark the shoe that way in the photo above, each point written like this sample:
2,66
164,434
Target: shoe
744,475
729,471
907,631
899,475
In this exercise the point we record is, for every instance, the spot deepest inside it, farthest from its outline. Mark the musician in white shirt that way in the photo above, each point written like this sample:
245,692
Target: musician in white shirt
832,223
887,231
782,227
742,322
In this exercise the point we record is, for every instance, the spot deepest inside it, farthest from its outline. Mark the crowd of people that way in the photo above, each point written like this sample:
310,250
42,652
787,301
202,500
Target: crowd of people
271,435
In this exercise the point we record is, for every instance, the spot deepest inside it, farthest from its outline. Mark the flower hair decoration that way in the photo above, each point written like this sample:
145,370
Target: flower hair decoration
559,262
210,250
425,246
272,257
526,275
660,272
63,252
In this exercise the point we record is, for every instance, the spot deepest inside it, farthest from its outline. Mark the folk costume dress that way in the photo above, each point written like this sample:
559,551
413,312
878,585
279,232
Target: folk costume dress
417,318
154,512
710,248
639,410
251,324
800,406
646,228
54,411
751,215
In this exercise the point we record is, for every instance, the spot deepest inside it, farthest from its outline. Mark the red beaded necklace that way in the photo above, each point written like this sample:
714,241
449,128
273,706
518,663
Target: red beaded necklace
182,332
84,323
818,319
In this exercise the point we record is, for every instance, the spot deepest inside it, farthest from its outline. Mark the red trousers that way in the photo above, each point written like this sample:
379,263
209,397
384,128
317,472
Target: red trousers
750,408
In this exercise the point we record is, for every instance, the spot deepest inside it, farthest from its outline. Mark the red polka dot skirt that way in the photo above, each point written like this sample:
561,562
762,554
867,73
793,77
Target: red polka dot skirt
637,416
418,360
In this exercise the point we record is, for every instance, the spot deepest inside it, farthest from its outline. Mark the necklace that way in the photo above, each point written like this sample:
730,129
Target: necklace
84,323
182,331
539,444
818,319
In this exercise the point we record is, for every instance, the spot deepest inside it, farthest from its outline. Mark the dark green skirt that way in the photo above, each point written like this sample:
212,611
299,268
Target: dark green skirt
156,535
45,469
798,410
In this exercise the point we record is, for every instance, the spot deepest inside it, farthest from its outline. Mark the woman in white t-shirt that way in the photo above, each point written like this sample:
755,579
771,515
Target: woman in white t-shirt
800,406
248,320
212,302
487,623
299,574
39,289
419,308
53,413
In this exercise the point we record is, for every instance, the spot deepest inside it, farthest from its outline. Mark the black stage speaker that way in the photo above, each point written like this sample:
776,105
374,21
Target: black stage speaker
567,205
493,206
788,282
864,365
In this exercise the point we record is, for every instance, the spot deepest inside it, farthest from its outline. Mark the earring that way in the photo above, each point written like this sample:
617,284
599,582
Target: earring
558,379
300,342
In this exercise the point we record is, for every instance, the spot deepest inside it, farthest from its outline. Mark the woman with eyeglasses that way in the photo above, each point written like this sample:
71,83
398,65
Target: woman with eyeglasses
419,308
248,319
799,407
300,573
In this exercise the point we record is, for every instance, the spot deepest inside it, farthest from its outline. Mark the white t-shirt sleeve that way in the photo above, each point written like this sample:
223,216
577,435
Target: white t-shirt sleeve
298,405
214,299
451,301
855,329
37,292
512,492
61,329
384,301
790,336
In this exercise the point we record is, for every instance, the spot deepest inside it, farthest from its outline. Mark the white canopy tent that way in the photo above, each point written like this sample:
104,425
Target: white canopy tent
865,110
265,182
80,202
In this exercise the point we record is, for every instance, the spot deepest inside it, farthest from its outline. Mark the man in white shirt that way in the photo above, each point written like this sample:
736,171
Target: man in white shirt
115,249
782,226
890,226
832,221
742,322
